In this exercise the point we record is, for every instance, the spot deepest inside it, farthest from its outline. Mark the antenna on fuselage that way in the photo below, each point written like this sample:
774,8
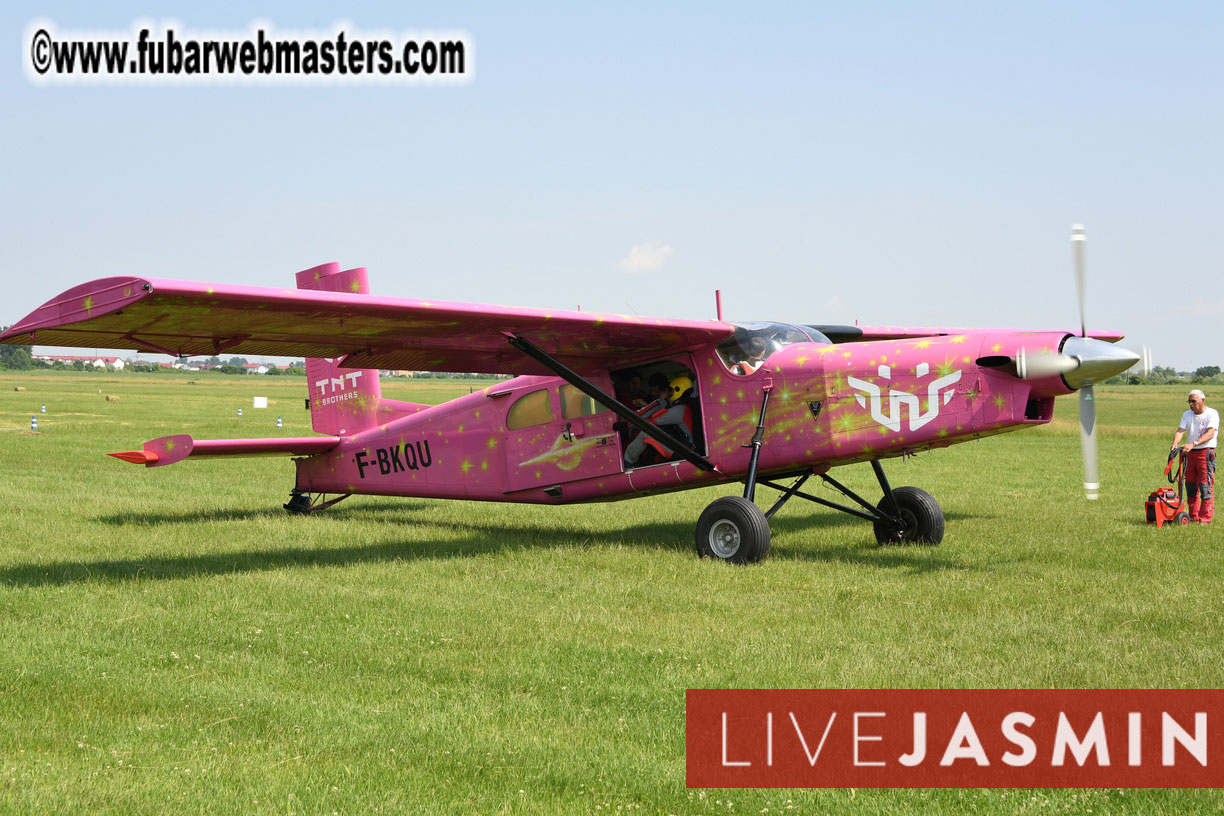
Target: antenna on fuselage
718,303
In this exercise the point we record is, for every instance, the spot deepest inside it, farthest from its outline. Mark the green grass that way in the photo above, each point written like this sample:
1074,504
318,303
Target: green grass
171,640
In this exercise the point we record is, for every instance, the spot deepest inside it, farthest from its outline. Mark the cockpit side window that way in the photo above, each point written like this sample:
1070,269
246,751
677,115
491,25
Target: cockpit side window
753,343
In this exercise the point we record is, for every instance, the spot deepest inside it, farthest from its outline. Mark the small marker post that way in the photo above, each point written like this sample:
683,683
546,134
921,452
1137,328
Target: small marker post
279,424
34,423
239,412
44,407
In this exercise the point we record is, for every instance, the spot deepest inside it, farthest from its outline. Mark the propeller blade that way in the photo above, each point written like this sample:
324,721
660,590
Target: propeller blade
1142,366
1094,360
1088,441
1077,247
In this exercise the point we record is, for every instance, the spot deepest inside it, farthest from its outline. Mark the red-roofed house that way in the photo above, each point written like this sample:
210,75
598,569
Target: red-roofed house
97,362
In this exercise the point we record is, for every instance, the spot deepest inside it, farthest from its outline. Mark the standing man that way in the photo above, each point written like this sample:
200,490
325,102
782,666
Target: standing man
1203,426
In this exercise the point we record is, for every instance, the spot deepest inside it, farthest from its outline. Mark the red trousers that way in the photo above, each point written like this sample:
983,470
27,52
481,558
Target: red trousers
1200,481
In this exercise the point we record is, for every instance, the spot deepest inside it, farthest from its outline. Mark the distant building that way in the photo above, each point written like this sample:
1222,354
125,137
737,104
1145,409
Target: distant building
97,362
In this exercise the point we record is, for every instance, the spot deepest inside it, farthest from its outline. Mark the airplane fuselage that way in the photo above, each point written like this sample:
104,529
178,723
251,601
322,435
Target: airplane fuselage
528,439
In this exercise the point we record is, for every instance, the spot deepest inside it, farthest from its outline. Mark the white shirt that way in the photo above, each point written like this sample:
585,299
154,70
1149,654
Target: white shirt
1195,425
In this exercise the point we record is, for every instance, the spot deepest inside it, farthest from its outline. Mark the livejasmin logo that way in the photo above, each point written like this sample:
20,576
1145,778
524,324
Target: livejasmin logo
964,743
939,392
945,738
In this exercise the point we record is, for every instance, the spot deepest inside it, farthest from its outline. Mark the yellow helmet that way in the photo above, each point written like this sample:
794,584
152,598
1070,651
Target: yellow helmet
679,385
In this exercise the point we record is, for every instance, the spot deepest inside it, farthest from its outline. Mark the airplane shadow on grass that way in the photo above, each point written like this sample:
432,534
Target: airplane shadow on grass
790,537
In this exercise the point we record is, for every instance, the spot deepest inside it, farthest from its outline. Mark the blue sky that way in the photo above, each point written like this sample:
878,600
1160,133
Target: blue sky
899,163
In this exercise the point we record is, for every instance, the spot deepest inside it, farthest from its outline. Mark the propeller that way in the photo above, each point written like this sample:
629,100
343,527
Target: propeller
1087,406
1088,443
1143,357
1081,362
1078,240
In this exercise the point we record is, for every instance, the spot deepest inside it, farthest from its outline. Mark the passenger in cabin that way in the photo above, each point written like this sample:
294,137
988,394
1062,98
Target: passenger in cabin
670,419
658,391
635,396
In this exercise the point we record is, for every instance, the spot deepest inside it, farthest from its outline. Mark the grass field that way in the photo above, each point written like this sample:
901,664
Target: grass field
172,641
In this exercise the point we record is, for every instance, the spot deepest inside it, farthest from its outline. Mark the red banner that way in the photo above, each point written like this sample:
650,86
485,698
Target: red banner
925,738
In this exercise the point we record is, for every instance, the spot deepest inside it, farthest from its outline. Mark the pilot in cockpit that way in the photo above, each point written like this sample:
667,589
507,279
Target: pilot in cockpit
756,349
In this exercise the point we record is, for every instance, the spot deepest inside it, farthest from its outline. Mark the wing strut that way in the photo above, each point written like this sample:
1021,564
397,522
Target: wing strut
621,410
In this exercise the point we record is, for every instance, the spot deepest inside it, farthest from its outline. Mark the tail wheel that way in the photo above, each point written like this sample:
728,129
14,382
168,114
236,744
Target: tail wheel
922,520
733,529
299,504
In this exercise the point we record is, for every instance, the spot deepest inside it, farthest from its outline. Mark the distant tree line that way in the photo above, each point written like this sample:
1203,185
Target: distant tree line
447,375
15,357
1163,375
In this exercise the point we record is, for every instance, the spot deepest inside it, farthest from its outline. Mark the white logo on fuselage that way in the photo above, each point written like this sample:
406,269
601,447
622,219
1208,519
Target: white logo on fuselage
337,383
936,397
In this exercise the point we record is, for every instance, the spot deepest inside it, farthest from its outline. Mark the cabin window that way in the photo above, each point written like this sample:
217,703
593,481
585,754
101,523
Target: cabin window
575,404
531,409
753,343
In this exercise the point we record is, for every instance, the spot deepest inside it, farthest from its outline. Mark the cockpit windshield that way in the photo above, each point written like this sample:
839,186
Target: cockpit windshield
753,343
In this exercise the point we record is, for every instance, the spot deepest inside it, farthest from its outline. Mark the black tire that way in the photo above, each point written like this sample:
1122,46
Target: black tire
1182,518
734,530
922,516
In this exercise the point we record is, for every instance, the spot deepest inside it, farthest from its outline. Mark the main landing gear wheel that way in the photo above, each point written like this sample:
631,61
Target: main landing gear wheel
733,529
922,520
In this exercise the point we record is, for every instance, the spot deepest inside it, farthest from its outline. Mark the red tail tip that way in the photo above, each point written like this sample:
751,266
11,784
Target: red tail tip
140,457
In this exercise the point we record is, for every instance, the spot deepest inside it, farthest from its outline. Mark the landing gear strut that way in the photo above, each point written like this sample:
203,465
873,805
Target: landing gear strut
903,515
734,529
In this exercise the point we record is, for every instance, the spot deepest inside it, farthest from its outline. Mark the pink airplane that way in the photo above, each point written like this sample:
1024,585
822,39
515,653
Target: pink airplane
756,403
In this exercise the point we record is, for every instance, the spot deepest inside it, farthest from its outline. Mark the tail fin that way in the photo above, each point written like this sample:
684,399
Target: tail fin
344,401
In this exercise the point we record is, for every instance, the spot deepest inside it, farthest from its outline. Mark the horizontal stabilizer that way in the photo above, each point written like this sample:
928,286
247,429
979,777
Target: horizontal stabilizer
140,457
170,449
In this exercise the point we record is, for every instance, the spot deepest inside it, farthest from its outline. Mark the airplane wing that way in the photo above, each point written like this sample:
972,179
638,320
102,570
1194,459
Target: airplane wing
913,332
186,318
